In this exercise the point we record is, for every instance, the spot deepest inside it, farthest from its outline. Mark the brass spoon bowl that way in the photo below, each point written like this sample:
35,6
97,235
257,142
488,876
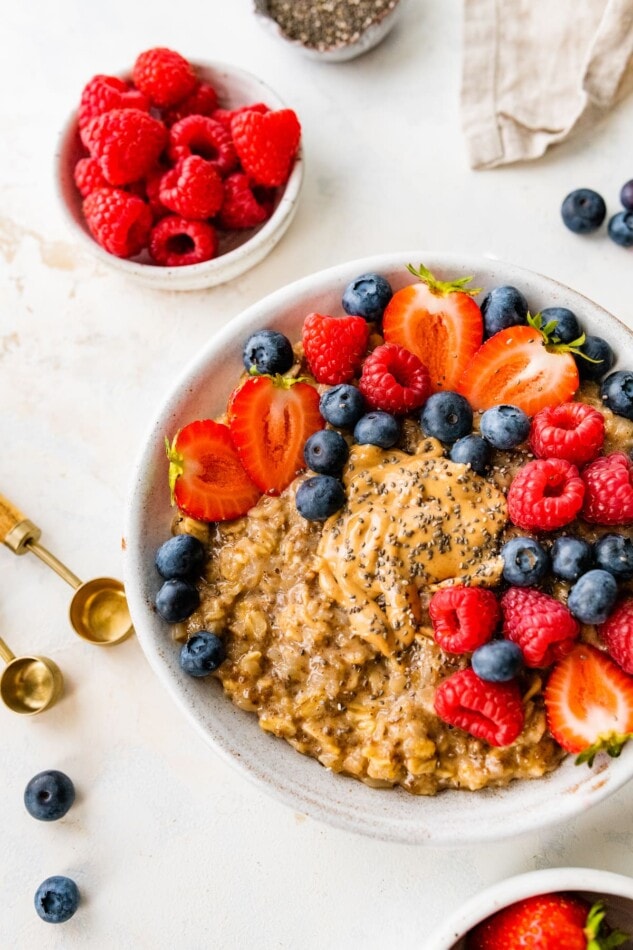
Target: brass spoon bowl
98,610
29,684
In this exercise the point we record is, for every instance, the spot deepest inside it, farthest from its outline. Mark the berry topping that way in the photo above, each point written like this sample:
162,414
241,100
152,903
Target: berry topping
118,221
225,116
326,452
571,431
589,704
525,562
180,557
474,451
438,321
377,428
463,618
56,899
267,144
617,634
497,661
49,795
600,358
175,242
566,328
202,654
592,597
270,419
164,76
193,189
583,211
503,307
626,195
104,93
202,101
334,346
609,490
126,142
489,711
446,416
394,380
504,427
342,406
614,553
545,494
176,600
268,351
367,296
542,626
203,136
617,393
571,557
88,176
244,205
319,497
621,228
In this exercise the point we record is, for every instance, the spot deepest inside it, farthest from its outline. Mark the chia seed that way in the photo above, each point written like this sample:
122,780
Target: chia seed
327,24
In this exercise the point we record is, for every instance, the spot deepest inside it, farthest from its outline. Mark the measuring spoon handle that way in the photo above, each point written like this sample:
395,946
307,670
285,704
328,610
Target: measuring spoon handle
6,654
16,531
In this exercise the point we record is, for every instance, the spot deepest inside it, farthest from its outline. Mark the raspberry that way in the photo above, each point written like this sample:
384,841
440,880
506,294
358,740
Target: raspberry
394,380
152,192
104,93
200,135
126,143
571,431
88,176
489,711
545,494
334,346
617,634
118,221
193,189
244,206
464,618
202,101
175,242
266,144
609,490
225,116
539,624
165,76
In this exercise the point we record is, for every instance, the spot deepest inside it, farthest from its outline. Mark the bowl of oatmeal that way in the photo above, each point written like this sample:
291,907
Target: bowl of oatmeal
350,684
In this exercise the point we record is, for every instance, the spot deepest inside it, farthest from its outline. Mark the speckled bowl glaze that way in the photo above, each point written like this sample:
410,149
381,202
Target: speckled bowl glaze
614,889
452,817
239,251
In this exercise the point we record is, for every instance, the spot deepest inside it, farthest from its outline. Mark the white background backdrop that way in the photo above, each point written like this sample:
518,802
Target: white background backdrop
169,847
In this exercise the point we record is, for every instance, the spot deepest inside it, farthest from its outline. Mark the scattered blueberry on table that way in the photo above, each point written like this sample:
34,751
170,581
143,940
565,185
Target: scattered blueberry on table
621,228
626,195
57,899
583,211
49,795
202,654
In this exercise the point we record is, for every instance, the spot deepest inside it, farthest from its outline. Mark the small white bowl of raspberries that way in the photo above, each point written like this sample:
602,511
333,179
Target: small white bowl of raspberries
180,175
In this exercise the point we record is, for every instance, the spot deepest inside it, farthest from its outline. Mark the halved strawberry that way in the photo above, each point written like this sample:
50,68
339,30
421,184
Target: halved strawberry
206,478
589,704
520,367
270,418
439,322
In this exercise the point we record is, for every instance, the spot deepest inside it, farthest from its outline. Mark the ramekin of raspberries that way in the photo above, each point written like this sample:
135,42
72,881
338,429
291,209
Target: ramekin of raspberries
182,175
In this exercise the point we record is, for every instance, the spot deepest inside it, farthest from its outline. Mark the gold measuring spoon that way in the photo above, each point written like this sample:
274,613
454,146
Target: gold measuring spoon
98,610
29,684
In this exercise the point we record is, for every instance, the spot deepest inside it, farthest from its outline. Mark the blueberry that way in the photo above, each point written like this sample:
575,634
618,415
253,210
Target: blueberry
474,451
583,211
56,899
367,296
525,562
567,326
592,597
617,392
49,795
177,600
614,553
326,452
342,406
181,556
497,661
446,416
319,497
202,654
504,426
626,195
596,349
268,351
503,307
377,428
571,557
621,228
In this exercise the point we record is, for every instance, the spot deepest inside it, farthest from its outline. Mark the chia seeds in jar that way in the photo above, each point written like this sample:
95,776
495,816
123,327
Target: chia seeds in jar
327,24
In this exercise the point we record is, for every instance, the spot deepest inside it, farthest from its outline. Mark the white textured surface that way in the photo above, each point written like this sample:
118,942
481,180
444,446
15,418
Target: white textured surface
169,846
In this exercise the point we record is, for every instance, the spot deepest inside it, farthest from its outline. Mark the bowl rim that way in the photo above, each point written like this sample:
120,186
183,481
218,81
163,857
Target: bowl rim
343,813
232,261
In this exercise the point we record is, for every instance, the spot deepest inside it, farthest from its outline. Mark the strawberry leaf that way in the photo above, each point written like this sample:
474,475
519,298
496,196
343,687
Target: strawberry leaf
176,466
443,287
610,742
597,938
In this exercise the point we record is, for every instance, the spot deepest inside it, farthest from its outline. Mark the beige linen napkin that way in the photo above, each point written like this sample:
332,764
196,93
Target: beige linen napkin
535,70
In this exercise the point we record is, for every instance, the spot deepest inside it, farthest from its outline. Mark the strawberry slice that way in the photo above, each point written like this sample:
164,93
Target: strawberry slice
206,478
521,367
589,704
270,419
439,322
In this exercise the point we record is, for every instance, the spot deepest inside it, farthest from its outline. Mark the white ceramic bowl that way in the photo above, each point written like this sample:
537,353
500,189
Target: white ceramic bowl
452,817
614,889
239,251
